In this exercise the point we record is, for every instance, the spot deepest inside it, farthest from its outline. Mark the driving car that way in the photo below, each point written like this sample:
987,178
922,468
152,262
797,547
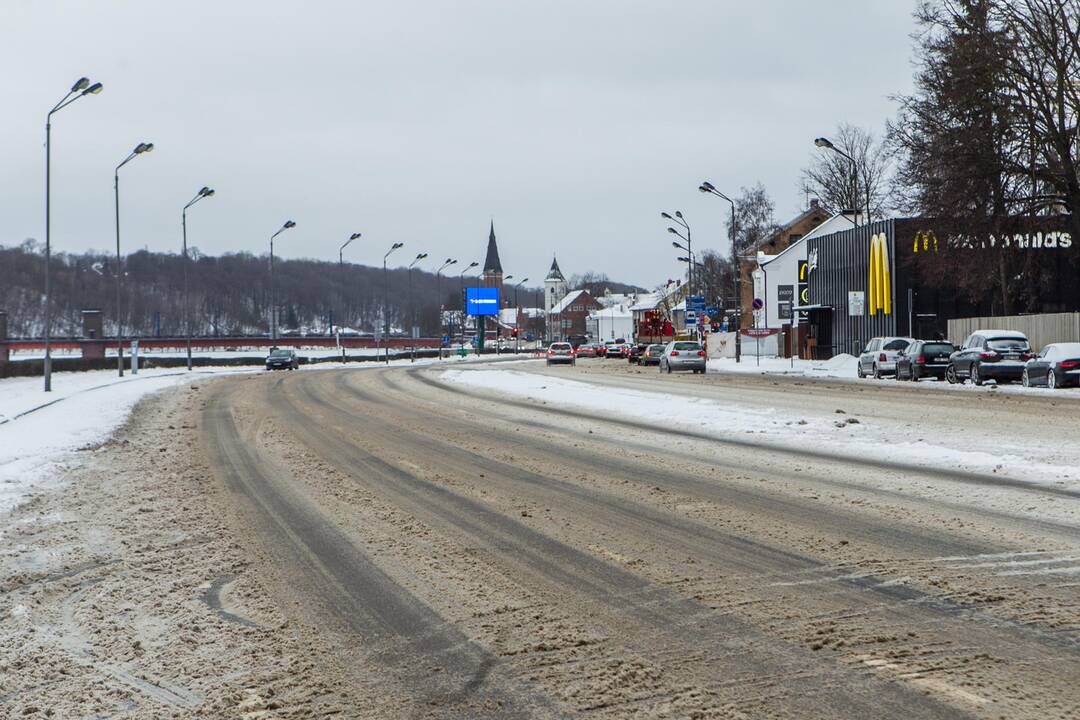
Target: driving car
282,359
924,358
1058,365
999,355
878,358
615,350
652,355
587,350
561,352
683,355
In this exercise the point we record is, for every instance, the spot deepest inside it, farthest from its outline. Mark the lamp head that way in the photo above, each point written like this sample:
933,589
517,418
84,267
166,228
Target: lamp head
678,214
80,84
397,245
523,281
702,188
143,148
673,231
823,142
706,186
93,89
354,236
288,224
675,244
666,216
421,256
508,277
208,192
472,265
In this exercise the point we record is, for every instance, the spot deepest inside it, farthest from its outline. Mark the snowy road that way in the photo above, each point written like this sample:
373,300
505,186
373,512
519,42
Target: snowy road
509,540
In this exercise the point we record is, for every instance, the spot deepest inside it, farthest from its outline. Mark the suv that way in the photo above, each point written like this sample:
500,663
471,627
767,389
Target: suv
924,358
683,355
879,356
998,355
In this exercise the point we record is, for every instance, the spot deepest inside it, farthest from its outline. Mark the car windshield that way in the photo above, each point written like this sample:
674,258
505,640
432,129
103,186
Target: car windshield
656,348
560,346
687,346
896,345
280,353
937,348
1007,343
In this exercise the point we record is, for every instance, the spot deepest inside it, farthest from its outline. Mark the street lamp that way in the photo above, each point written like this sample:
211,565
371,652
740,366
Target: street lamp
139,150
341,272
205,192
461,291
273,305
709,188
412,308
517,312
678,218
438,290
386,302
81,88
826,143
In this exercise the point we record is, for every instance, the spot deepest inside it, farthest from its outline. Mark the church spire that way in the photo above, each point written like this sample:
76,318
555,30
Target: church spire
491,262
555,273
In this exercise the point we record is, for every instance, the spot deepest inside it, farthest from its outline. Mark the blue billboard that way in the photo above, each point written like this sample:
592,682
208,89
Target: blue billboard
482,301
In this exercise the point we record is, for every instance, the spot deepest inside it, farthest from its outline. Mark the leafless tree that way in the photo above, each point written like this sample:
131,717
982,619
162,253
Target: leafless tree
754,216
831,177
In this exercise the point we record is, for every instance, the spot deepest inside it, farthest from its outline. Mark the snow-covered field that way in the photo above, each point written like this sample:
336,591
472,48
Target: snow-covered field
820,429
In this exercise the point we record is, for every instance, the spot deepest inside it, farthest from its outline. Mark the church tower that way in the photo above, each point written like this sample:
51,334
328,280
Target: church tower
554,286
493,272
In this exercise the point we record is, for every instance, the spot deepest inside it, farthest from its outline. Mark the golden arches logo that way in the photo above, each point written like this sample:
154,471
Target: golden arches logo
880,277
925,241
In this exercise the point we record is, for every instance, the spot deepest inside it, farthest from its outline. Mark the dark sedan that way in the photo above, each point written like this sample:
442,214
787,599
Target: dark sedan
1058,365
652,355
998,355
282,359
924,358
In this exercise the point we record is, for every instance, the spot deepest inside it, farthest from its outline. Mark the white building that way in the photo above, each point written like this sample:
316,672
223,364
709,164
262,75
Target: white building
610,323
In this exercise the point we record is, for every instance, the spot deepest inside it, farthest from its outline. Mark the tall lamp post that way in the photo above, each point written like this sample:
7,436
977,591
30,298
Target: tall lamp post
709,188
273,304
141,148
81,88
517,313
341,272
461,291
826,143
678,218
386,302
438,290
205,192
412,308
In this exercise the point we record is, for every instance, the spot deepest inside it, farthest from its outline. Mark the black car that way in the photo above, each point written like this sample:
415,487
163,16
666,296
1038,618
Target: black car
636,350
999,355
282,359
1056,366
924,358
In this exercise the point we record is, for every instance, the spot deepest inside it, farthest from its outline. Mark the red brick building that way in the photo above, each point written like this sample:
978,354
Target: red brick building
568,316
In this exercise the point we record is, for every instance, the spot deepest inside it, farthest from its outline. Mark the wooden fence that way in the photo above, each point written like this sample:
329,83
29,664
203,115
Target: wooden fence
1040,329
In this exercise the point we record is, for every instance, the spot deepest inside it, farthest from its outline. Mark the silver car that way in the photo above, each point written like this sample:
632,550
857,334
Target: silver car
879,356
683,355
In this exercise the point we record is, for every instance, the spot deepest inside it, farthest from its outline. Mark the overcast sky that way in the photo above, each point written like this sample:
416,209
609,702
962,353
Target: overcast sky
572,124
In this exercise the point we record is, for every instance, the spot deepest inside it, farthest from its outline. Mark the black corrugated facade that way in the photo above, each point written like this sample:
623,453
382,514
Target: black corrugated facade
840,264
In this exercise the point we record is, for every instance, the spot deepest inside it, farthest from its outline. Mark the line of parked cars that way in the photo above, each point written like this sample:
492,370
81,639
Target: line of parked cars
998,355
674,356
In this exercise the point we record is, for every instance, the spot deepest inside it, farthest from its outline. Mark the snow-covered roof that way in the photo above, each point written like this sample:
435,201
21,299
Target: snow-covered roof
567,301
836,223
610,299
615,311
648,301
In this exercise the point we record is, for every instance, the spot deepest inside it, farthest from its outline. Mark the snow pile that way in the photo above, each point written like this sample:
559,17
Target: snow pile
839,366
811,431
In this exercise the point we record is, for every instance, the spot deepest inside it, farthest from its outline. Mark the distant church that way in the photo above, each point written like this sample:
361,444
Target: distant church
493,272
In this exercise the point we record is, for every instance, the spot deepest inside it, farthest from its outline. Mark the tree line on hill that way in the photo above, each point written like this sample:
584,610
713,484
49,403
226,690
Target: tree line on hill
230,294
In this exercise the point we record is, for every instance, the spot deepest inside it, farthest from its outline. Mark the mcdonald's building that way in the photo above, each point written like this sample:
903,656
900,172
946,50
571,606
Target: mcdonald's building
909,277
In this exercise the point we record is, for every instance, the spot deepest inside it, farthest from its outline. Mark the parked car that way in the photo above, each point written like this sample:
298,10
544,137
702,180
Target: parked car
683,355
561,352
634,356
587,350
878,358
924,358
282,359
1058,365
999,355
652,355
616,350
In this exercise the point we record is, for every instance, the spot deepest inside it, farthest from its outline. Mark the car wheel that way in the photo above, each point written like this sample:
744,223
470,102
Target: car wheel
1051,379
877,372
975,379
669,368
1024,379
950,375
913,376
859,370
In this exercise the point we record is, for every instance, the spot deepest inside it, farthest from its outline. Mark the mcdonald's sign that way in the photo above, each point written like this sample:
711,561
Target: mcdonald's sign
925,241
880,295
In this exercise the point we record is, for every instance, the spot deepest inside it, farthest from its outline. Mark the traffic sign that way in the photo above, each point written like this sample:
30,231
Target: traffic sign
758,303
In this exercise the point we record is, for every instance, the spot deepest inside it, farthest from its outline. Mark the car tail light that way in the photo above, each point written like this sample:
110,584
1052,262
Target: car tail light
674,353
988,356
882,358
1026,356
701,353
921,359
551,352
1069,364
